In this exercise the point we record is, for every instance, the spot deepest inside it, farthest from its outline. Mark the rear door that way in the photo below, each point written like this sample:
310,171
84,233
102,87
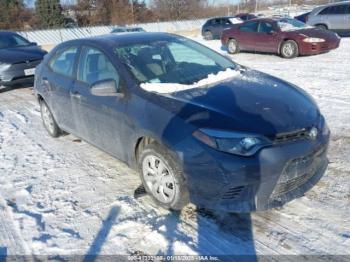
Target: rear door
334,17
100,119
347,18
247,33
266,38
58,81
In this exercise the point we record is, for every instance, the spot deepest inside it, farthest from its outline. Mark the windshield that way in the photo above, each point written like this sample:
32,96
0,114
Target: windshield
288,24
179,61
12,40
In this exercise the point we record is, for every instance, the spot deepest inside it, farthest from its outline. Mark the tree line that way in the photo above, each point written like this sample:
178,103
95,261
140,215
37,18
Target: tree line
15,15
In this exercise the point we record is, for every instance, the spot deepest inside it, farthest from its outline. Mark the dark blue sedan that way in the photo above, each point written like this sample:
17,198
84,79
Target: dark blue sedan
199,127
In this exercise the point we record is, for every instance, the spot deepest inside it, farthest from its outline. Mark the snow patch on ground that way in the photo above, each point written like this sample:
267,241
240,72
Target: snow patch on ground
63,197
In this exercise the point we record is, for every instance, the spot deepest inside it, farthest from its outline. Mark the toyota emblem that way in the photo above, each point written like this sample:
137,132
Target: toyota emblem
313,133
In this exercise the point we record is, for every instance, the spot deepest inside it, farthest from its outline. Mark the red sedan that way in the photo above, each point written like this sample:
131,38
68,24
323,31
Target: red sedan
285,36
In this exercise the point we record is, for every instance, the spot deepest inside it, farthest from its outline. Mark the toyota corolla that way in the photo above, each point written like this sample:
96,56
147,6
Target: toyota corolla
198,127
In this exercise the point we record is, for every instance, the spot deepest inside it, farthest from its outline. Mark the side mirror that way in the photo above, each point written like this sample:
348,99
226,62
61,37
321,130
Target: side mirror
272,32
106,87
33,43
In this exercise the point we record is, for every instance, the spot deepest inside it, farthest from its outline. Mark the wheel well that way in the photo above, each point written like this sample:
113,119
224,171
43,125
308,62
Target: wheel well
141,143
40,98
322,25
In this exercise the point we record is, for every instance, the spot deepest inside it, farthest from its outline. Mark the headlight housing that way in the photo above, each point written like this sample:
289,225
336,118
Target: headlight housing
242,144
313,40
4,66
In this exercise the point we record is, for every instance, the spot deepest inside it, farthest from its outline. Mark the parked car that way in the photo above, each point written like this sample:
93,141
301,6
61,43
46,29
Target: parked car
197,126
285,36
246,16
127,29
303,17
18,58
213,27
334,17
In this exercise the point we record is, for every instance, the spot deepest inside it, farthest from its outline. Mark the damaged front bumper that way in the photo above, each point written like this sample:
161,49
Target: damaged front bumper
271,178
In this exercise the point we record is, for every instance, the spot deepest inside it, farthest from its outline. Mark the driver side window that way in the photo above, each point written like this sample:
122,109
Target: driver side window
95,66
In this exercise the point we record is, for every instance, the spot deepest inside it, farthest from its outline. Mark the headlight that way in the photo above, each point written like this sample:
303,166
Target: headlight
4,66
313,40
231,142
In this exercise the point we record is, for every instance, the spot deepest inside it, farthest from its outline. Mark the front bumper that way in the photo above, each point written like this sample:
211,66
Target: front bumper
274,176
317,48
16,73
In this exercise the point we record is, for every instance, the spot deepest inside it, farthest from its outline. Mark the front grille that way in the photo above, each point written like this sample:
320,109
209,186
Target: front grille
233,192
290,136
298,172
27,62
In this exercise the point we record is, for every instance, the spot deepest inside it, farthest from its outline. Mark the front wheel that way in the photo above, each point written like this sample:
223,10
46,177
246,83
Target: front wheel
323,27
232,46
289,49
162,177
48,120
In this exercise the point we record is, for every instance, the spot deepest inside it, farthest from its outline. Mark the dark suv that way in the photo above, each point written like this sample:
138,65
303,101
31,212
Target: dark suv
213,28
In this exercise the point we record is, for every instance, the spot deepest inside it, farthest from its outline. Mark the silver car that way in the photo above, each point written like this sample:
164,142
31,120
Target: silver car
335,17
18,59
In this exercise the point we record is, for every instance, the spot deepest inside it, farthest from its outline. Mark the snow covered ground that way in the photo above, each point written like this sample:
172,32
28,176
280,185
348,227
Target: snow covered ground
63,196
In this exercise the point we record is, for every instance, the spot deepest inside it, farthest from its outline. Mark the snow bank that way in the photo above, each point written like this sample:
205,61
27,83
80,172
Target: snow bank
164,88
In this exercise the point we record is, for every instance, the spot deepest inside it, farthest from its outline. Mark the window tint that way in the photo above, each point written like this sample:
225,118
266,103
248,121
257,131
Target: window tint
249,27
94,66
63,62
182,53
334,10
265,27
12,40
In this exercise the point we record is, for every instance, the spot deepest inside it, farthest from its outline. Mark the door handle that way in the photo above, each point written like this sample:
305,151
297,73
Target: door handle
76,94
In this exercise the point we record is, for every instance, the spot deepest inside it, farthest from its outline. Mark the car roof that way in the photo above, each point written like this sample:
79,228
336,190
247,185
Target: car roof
122,39
337,3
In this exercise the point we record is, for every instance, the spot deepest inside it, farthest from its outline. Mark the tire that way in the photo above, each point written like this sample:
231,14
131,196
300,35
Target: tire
289,49
324,27
162,177
232,46
48,120
208,35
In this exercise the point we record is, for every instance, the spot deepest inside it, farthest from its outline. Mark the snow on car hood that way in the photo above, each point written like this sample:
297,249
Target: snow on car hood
165,88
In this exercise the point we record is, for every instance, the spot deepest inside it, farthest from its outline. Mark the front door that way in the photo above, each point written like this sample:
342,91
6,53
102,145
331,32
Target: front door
99,119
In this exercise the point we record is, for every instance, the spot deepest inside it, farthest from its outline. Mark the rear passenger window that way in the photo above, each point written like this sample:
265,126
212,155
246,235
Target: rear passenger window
265,27
334,10
249,27
63,62
95,66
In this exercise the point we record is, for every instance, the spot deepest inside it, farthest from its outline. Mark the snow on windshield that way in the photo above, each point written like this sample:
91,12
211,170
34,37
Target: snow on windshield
164,88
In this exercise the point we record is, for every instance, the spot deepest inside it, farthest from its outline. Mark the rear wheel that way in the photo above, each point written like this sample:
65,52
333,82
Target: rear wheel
324,27
208,35
289,49
232,46
48,120
162,177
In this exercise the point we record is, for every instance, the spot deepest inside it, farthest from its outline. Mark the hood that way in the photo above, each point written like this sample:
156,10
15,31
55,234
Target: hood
253,102
316,32
20,54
